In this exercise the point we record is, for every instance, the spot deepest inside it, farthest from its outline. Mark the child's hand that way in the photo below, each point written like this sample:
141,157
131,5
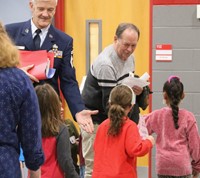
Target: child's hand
195,174
151,139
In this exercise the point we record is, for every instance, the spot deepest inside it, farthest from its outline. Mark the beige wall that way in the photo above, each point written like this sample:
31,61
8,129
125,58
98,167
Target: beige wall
111,13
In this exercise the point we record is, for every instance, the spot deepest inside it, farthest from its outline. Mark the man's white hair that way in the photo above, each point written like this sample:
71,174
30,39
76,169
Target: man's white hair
36,0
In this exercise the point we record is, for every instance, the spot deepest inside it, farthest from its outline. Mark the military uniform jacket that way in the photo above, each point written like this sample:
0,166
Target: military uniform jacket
21,34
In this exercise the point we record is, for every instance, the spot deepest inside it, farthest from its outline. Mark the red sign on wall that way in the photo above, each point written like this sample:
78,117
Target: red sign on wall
164,52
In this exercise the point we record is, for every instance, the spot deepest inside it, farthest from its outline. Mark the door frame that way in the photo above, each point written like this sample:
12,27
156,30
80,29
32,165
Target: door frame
154,3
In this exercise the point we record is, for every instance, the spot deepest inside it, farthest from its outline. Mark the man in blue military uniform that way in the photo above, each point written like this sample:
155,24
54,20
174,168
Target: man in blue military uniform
39,34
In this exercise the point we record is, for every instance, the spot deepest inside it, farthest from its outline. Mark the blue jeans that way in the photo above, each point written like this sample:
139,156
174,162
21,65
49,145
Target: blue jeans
82,171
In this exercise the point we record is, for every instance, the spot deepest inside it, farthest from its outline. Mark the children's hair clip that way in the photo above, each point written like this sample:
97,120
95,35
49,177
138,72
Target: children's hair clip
171,77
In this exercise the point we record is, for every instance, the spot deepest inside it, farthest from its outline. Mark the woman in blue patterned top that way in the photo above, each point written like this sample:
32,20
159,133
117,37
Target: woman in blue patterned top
20,120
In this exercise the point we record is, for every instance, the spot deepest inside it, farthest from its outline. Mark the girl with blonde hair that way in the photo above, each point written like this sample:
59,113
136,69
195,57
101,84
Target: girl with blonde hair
20,121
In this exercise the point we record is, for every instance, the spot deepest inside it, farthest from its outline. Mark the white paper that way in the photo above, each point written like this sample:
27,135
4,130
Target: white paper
20,47
145,76
82,84
142,128
132,81
47,67
49,71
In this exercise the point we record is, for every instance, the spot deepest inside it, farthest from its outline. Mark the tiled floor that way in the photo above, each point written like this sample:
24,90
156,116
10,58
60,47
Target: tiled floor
142,172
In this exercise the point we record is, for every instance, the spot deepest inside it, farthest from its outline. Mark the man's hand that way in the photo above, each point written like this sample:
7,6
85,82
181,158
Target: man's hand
25,69
84,119
35,174
137,90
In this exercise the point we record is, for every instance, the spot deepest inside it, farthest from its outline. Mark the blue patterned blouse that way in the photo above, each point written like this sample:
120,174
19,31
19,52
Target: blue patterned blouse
20,122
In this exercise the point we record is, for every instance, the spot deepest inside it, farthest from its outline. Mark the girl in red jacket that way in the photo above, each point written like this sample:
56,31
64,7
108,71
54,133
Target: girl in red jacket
117,142
55,136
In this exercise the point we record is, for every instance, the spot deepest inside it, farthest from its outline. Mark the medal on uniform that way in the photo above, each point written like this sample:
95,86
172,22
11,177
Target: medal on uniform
57,53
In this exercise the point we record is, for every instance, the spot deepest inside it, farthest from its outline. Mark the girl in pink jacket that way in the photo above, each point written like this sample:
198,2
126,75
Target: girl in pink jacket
177,143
